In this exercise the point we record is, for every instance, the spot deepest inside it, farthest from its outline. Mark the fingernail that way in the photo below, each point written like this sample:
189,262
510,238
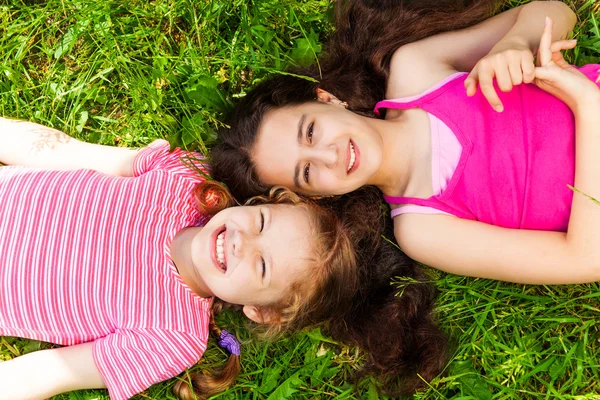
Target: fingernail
499,108
547,20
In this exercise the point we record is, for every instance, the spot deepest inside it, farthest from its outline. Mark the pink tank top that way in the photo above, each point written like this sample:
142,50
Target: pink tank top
445,154
515,167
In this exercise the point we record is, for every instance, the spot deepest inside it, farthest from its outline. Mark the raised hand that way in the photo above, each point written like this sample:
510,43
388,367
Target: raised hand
510,62
556,76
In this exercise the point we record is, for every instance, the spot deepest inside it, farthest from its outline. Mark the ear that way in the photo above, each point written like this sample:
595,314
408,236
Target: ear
325,97
260,316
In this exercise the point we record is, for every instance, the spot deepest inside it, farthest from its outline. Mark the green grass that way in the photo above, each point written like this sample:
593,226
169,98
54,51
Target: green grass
124,73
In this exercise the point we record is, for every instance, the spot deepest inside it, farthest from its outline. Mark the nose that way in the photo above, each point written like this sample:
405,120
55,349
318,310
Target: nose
327,155
237,243
242,242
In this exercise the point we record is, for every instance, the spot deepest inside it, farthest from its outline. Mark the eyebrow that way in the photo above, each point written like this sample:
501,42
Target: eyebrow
299,140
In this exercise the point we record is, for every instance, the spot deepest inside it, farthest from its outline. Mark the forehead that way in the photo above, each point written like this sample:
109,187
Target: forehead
292,245
282,123
284,120
275,152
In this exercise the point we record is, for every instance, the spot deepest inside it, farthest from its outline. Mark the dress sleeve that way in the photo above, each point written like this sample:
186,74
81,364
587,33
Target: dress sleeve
157,155
130,361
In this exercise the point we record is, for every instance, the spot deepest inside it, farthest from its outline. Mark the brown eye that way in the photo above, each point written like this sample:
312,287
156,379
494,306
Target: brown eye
309,132
306,172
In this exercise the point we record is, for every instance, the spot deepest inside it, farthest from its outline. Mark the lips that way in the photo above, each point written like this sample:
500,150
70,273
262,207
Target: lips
352,157
218,253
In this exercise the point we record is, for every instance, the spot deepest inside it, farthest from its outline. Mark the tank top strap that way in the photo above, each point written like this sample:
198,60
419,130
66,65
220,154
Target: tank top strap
432,202
400,200
404,103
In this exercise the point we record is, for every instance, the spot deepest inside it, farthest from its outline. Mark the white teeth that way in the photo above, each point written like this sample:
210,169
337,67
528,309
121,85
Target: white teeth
352,157
220,249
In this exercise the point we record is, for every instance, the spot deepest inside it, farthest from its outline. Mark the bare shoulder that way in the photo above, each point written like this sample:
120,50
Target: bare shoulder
417,66
413,71
416,233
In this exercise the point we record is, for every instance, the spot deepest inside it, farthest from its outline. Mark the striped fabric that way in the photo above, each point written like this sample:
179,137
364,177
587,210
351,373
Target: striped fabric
85,257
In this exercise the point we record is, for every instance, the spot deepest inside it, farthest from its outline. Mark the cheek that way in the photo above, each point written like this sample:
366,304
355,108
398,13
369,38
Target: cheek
231,292
327,182
244,278
331,183
370,155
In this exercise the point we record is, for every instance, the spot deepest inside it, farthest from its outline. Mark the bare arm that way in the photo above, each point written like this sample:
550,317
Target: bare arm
583,234
477,249
526,30
417,66
47,373
29,144
471,248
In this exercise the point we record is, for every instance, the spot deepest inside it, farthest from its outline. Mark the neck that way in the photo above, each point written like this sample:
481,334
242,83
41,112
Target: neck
181,254
403,153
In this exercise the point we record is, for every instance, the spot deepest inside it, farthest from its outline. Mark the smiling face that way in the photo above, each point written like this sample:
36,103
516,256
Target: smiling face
251,255
317,148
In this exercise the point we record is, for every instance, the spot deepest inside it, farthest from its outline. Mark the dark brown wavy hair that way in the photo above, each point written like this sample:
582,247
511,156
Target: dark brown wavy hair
392,315
355,69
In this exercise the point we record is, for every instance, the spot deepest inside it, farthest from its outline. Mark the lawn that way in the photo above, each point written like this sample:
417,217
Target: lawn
126,72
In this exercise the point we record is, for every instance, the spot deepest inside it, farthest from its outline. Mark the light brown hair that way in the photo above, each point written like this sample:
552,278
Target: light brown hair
318,299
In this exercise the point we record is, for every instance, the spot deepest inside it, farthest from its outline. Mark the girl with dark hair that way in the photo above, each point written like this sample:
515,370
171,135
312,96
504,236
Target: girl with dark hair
477,166
119,254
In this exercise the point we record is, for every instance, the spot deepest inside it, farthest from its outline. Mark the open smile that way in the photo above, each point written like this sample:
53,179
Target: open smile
218,249
352,157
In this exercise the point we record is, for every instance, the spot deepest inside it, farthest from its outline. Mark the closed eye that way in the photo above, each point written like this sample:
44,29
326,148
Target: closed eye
262,222
264,267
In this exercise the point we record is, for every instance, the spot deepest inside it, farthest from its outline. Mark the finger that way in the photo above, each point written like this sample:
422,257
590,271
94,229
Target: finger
563,45
557,48
516,73
486,83
528,68
545,74
471,83
503,79
545,52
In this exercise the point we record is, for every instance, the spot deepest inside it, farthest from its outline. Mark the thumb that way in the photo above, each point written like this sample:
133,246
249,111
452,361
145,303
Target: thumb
546,73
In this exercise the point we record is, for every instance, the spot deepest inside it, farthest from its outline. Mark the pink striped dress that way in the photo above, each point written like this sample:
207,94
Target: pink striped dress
85,257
